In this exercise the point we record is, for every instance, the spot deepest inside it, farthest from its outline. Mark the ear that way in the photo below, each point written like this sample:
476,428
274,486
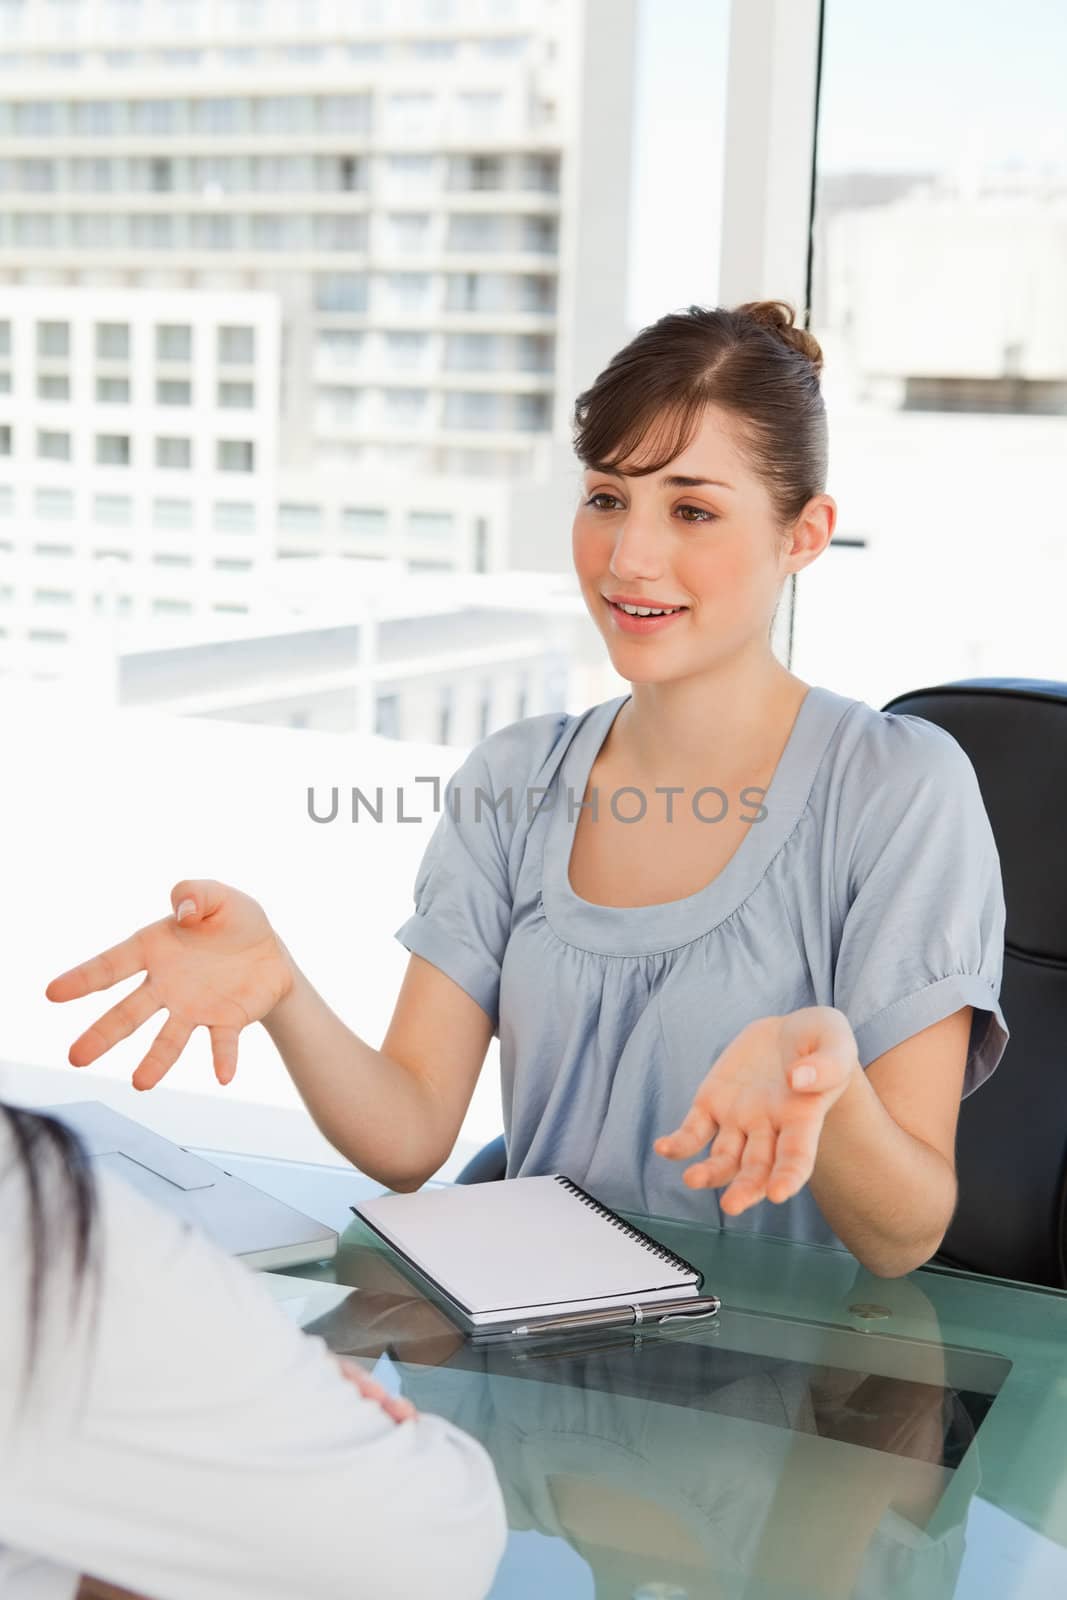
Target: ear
811,532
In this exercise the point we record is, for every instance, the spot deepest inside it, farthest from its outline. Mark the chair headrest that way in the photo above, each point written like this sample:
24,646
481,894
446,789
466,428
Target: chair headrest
1015,732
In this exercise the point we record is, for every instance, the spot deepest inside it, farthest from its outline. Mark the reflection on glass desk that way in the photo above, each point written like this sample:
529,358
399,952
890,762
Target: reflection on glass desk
831,1434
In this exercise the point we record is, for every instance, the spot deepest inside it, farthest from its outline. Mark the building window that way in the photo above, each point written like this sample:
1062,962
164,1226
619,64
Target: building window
53,339
174,342
431,525
387,716
53,446
113,449
53,505
168,513
237,346
341,291
113,391
363,520
174,452
174,608
445,709
235,455
5,338
53,386
294,518
116,509
232,564
166,558
53,597
173,392
112,341
53,552
234,516
236,396
5,438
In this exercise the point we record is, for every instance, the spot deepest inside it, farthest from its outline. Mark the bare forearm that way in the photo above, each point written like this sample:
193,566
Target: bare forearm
888,1196
373,1110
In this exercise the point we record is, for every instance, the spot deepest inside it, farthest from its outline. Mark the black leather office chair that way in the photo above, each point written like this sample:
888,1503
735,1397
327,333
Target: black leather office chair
1011,1151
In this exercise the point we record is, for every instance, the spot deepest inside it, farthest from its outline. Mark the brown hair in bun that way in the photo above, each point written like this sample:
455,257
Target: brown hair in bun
752,362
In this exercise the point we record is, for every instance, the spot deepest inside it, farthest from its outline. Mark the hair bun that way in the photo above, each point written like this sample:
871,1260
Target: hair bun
777,316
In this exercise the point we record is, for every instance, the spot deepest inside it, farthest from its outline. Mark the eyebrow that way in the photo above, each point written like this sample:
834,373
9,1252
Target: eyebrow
672,481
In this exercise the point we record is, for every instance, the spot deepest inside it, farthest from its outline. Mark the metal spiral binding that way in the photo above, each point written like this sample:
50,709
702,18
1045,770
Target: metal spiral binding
637,1234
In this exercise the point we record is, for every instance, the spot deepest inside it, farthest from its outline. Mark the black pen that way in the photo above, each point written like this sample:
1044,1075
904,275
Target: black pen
629,1316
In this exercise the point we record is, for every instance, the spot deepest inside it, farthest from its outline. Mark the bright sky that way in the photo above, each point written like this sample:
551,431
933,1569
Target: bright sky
956,86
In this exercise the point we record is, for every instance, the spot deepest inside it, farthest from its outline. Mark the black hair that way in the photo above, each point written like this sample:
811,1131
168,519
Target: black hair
61,1206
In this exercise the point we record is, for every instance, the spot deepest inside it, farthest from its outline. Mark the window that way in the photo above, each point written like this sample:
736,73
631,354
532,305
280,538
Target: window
167,513
387,716
213,232
174,452
115,509
364,520
53,339
167,558
174,342
235,455
340,233
53,386
113,449
112,391
232,564
234,516
53,597
173,608
433,525
299,518
5,438
405,407
173,392
236,396
341,291
237,346
97,117
154,116
54,552
340,347
217,115
112,341
406,349
53,505
5,338
53,446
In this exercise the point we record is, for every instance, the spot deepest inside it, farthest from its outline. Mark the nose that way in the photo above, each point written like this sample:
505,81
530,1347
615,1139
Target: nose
638,550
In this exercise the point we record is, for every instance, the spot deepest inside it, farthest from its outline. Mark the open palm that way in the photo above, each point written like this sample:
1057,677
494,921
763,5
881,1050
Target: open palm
221,967
763,1121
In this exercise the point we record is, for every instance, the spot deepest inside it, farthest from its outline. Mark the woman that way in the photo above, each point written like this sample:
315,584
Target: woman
165,1429
798,960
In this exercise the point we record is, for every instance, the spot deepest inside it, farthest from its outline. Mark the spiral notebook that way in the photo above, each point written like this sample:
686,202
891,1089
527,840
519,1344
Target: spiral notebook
526,1249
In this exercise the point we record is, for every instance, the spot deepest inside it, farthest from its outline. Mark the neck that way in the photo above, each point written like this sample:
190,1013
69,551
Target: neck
699,729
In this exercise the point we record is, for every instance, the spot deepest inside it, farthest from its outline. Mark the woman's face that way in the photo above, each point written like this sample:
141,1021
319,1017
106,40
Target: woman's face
712,547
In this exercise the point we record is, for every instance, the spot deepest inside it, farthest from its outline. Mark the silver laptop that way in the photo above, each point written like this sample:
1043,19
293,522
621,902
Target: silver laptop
244,1221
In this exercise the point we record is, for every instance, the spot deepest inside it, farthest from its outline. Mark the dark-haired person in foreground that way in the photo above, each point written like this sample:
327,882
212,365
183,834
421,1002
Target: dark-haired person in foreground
729,915
166,1430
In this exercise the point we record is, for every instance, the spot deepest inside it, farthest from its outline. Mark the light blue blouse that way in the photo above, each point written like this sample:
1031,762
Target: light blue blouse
871,883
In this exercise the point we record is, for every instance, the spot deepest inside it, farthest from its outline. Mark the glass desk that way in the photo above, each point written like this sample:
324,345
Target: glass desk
829,1434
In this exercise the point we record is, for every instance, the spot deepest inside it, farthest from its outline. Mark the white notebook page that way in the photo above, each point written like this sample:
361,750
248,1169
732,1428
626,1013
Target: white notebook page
523,1245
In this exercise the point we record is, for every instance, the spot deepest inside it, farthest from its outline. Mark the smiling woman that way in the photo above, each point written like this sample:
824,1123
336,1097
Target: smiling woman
798,998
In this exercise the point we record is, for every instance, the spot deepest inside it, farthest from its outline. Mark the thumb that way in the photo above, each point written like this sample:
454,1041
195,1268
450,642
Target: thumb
815,1073
194,899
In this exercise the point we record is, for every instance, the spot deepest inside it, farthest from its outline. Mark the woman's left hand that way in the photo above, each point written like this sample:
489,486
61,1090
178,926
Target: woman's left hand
763,1104
395,1406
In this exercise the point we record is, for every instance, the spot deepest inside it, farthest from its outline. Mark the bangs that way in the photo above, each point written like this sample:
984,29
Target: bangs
609,432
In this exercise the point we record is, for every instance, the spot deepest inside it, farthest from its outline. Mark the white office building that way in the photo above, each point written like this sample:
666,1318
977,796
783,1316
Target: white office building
422,210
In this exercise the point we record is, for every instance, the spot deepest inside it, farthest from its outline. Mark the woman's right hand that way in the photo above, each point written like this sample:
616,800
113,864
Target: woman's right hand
216,963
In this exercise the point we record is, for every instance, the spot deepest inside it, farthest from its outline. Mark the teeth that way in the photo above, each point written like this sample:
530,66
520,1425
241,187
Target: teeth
648,611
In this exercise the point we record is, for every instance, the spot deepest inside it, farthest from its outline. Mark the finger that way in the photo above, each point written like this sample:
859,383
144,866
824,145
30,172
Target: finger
169,1043
224,1052
194,899
698,1127
100,972
721,1165
794,1159
815,1073
750,1185
118,1023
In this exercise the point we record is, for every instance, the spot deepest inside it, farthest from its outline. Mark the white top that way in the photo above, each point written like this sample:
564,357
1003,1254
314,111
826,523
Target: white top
203,1447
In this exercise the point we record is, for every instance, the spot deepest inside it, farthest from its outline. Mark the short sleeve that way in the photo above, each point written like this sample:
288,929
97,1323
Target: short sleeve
462,917
923,934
